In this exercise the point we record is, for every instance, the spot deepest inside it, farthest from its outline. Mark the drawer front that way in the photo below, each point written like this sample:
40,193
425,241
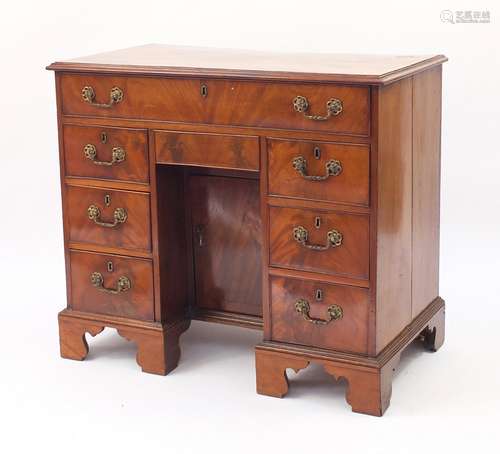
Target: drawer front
225,102
209,150
319,315
319,171
113,285
108,153
109,217
321,241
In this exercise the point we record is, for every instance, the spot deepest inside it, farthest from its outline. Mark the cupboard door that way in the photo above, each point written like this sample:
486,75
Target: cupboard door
226,233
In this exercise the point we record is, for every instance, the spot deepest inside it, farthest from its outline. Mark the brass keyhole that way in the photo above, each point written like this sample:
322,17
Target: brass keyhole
104,137
107,200
317,222
317,152
319,295
110,267
199,234
204,90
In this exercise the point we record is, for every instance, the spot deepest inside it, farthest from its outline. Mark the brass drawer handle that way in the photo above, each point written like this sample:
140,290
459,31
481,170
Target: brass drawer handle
115,96
122,285
333,108
117,155
119,216
333,169
334,311
333,239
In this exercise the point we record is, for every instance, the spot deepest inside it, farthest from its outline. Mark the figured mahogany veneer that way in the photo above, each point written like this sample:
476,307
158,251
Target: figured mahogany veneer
227,102
136,302
219,151
350,186
134,143
133,233
294,193
351,258
219,265
349,333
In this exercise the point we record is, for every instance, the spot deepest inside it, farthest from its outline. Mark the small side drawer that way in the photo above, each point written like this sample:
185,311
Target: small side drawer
319,171
107,153
321,241
112,285
207,150
319,315
109,217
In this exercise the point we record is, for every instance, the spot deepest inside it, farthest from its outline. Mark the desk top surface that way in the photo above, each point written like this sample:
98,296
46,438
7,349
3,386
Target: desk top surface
158,59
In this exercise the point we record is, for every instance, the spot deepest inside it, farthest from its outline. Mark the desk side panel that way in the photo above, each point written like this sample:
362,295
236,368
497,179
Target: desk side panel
394,211
426,187
63,187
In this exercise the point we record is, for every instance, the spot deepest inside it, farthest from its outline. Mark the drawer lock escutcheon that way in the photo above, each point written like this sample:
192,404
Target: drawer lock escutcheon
119,216
333,239
333,168
115,96
333,108
117,155
122,285
334,312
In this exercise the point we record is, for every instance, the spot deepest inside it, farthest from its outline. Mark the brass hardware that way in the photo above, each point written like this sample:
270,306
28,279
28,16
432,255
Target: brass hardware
109,266
334,311
115,96
119,216
117,155
104,137
333,237
333,169
107,200
317,152
333,108
319,295
122,285
204,90
199,233
317,222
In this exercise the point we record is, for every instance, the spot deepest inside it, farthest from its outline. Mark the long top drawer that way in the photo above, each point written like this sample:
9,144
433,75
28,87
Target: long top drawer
317,107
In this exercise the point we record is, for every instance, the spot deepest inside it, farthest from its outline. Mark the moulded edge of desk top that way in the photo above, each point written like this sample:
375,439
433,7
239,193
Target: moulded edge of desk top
184,61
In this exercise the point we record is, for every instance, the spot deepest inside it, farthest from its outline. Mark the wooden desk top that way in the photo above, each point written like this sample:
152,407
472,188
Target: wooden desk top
158,59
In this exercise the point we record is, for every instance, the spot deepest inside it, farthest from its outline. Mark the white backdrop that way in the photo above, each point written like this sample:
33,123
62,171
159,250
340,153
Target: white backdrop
448,400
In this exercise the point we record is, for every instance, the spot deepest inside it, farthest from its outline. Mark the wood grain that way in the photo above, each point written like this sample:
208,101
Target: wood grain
369,379
134,233
159,59
134,142
426,187
226,240
180,126
347,334
212,199
394,211
171,252
351,186
207,150
158,349
135,303
351,258
227,103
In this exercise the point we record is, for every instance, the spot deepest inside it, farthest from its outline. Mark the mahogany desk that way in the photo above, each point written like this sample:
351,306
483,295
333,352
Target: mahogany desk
298,194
